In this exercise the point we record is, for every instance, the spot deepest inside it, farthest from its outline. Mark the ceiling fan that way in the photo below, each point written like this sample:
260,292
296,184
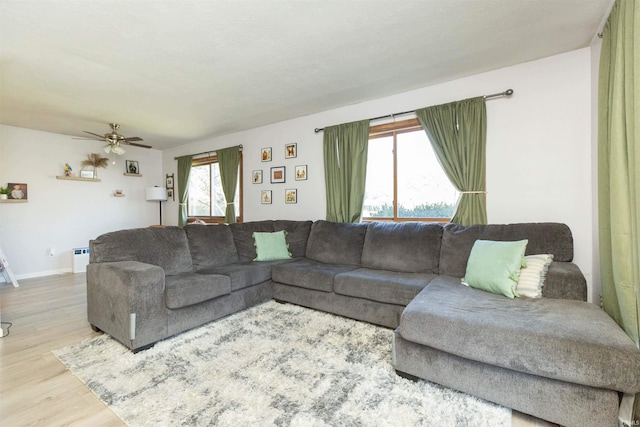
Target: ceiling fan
114,140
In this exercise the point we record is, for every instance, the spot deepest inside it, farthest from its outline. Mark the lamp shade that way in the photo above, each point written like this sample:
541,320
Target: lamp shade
156,194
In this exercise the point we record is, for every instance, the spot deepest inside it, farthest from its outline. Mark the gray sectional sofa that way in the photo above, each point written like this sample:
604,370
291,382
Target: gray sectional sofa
558,357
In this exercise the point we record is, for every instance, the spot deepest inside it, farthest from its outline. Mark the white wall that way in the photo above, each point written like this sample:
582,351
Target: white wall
539,155
63,215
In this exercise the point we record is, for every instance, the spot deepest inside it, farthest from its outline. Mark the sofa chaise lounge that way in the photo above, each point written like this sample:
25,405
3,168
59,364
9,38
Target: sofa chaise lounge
558,357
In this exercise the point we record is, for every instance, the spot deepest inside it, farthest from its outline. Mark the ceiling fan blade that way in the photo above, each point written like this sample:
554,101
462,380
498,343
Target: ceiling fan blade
89,139
94,134
133,138
137,145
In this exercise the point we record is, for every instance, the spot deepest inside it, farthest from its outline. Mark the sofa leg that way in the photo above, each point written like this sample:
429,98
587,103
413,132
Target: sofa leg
143,348
279,301
407,376
95,328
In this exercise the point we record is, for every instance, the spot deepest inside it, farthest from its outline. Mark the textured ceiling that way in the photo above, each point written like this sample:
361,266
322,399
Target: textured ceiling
175,71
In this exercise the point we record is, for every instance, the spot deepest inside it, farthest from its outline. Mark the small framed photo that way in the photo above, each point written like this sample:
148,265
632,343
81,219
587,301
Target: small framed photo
291,195
18,191
132,166
265,197
86,174
278,175
169,181
290,151
170,194
265,154
256,177
301,173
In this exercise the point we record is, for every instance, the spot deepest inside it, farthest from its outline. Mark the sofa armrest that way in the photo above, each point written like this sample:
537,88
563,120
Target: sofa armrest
565,281
126,299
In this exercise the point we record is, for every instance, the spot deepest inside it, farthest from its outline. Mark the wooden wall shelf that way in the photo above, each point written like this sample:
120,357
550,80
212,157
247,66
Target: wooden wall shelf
77,178
13,201
132,174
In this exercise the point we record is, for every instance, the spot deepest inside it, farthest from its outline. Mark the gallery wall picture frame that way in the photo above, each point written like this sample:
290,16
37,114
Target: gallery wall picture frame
170,194
256,177
301,173
265,154
132,167
278,175
18,191
265,197
169,182
290,151
291,195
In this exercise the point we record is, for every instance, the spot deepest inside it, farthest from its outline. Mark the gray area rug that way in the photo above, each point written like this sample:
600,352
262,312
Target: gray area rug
274,364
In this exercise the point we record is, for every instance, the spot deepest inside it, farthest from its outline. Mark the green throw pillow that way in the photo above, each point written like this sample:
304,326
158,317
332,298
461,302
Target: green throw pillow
271,246
495,266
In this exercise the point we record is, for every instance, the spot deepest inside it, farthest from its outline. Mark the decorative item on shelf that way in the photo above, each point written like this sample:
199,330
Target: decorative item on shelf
157,194
118,193
86,174
4,193
301,173
18,191
291,195
67,169
265,154
290,151
256,177
265,197
96,161
132,167
278,175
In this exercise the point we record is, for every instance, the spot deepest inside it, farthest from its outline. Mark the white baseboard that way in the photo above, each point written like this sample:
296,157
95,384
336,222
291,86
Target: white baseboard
39,274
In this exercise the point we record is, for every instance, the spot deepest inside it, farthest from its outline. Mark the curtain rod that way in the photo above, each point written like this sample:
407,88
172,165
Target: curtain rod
205,152
507,92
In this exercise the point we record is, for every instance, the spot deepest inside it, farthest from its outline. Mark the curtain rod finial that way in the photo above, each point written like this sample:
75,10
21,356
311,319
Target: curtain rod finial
509,92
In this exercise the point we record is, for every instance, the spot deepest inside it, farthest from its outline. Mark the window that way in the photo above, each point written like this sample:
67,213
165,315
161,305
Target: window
405,181
206,198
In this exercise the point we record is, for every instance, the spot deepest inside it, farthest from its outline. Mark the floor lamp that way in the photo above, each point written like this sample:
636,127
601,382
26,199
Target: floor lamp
157,194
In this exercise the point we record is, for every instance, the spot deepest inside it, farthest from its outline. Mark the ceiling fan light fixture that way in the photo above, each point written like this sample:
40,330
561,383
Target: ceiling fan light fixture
118,149
107,149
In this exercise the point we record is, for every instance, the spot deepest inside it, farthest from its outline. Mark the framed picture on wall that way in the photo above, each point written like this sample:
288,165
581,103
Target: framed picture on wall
301,173
278,175
265,154
170,194
291,195
132,167
18,191
265,197
290,151
256,177
169,181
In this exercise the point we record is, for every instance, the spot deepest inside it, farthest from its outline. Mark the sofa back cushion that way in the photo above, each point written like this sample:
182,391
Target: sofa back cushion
243,237
336,243
412,247
544,238
297,235
166,247
211,245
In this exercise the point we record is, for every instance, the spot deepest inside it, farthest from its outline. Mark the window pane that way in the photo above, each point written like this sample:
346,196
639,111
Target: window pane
217,195
424,191
199,191
378,195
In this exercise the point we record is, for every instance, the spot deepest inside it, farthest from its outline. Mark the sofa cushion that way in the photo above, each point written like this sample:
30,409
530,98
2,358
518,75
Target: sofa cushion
243,237
413,247
166,247
245,274
390,287
271,246
211,245
182,290
297,235
495,266
336,243
565,340
532,276
308,274
544,238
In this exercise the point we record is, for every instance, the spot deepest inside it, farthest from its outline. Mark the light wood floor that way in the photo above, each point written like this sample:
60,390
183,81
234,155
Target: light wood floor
35,389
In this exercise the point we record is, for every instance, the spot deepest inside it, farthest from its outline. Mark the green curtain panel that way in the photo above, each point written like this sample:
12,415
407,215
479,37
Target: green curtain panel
458,134
228,160
184,170
345,169
619,170
618,166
